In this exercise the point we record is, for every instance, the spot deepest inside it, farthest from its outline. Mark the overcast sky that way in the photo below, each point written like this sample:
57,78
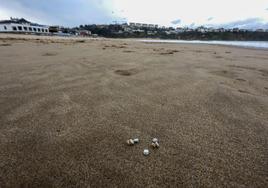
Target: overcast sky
227,13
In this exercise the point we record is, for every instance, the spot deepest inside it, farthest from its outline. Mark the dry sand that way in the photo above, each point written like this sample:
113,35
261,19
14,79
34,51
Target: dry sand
67,106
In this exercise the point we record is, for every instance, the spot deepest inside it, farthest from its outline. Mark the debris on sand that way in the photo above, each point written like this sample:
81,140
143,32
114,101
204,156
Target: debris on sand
130,142
155,140
155,143
146,152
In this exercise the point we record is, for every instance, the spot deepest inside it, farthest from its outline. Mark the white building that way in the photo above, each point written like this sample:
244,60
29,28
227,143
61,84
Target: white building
22,26
131,24
138,24
201,29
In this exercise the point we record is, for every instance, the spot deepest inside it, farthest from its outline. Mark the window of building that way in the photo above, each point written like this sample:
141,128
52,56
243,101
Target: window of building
14,28
43,30
30,29
20,28
47,30
25,28
5,27
34,29
39,30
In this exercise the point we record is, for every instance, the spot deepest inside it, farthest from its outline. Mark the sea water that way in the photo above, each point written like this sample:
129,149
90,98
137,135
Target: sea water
246,44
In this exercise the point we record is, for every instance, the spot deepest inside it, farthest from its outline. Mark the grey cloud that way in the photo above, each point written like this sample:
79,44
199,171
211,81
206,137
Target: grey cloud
250,23
210,18
175,22
192,25
61,12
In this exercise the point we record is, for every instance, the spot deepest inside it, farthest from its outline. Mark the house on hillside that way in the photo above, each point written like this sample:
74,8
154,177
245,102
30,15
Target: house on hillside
138,25
84,33
145,25
260,30
201,29
131,24
15,25
236,30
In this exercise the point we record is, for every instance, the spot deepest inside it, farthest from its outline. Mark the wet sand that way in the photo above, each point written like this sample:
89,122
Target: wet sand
67,107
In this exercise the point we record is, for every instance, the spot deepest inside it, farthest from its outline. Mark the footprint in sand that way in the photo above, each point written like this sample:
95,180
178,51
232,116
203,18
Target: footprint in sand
50,54
243,91
128,51
5,44
264,72
240,79
128,72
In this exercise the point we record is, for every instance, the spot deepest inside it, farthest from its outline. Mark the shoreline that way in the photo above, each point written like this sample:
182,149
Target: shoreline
146,40
243,44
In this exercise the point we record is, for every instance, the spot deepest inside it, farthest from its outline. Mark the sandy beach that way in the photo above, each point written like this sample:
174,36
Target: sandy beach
68,105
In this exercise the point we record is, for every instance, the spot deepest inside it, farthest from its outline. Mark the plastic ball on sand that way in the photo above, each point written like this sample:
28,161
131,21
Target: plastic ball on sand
146,152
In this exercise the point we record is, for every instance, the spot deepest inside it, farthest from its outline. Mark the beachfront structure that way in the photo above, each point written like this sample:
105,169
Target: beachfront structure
15,25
